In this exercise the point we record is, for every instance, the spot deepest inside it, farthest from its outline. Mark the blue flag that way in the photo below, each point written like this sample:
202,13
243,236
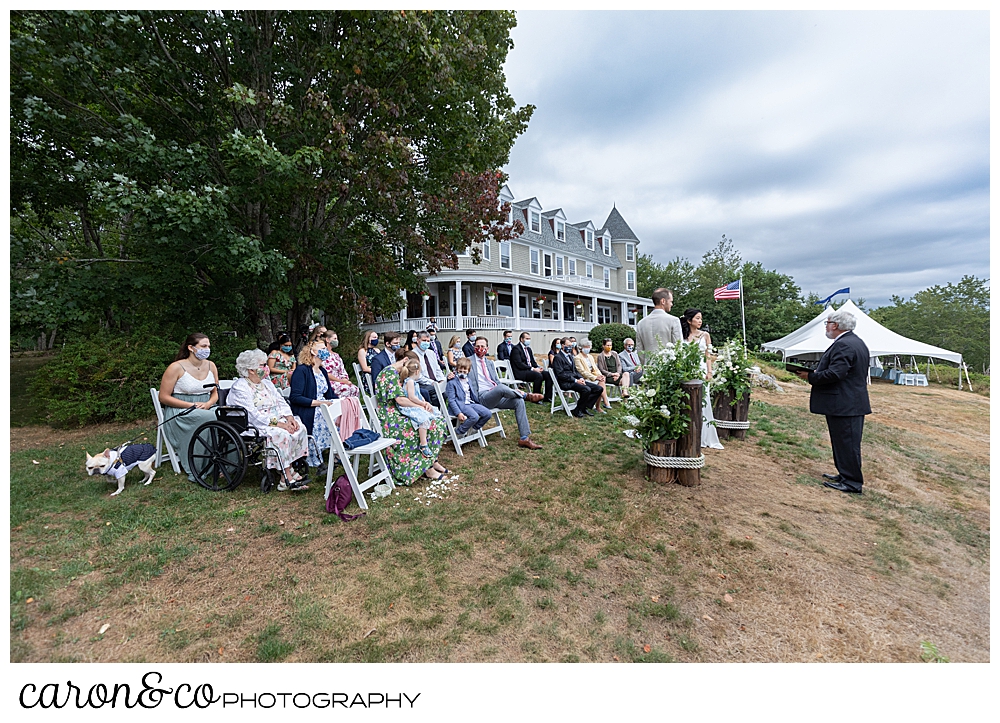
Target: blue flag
838,291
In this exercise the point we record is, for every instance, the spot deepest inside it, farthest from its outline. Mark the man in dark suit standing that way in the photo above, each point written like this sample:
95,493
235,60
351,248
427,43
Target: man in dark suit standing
470,346
571,380
503,350
526,369
840,391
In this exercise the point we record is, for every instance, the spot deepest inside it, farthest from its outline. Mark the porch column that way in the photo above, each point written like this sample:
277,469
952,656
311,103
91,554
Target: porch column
402,314
517,306
593,309
562,313
624,315
458,306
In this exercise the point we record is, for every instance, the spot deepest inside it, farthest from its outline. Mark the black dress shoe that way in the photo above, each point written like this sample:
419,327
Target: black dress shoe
589,412
832,477
841,487
578,414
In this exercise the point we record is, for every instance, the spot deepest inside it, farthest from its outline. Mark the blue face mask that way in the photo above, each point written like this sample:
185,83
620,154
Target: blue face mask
394,347
558,347
286,348
425,345
508,340
527,342
374,342
323,354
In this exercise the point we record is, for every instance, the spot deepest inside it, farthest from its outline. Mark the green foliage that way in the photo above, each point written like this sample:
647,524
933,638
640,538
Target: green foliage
658,410
618,333
240,168
954,316
731,370
929,653
107,377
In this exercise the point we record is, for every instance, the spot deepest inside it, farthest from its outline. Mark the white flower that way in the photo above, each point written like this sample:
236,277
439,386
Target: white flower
630,433
632,419
664,411
650,392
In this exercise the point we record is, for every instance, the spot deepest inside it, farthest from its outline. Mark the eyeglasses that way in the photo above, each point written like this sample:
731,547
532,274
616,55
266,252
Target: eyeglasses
831,322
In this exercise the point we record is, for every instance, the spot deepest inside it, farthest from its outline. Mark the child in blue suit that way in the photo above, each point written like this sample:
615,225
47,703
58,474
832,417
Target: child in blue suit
463,401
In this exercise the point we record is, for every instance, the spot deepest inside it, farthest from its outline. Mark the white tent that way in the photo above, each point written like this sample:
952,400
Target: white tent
809,341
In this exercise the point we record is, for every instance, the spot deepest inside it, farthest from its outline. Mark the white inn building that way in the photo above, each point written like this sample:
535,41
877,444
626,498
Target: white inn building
555,278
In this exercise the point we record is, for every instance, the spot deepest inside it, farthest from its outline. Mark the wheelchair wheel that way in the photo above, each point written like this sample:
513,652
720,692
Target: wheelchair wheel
269,479
217,457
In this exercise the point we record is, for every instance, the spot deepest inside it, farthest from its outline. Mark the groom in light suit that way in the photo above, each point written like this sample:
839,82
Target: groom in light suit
658,326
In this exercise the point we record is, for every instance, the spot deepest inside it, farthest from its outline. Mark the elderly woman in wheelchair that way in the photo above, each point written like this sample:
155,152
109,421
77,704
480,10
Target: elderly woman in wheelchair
270,414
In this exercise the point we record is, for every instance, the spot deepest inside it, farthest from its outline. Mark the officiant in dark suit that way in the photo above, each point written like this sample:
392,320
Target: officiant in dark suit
840,391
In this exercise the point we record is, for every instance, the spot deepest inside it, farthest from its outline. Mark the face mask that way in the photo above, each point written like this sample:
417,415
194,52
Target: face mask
262,373
472,339
394,347
457,347
508,340
202,353
374,342
527,342
607,347
286,348
433,337
335,343
481,352
586,350
425,345
558,347
628,347
463,375
573,344
323,354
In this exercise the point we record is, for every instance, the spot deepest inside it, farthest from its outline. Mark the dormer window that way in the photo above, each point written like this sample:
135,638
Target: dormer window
560,230
589,238
536,221
630,252
607,245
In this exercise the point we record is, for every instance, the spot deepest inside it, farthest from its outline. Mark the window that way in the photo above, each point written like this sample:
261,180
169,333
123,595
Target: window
536,308
607,245
486,250
572,267
505,304
547,264
489,306
607,278
559,265
510,216
590,271
603,315
560,230
630,252
464,253
534,261
505,254
630,280
590,239
536,221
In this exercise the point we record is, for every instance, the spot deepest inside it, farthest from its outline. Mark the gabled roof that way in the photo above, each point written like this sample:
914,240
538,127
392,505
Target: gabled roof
529,202
619,229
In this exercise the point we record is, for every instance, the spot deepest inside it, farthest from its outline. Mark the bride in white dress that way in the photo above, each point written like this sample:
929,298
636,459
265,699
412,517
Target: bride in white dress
691,323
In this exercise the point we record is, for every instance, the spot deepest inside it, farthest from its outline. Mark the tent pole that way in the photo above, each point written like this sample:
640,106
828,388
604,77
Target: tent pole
967,376
960,375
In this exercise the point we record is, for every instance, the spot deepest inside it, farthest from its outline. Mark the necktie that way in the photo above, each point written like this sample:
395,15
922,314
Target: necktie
431,361
486,374
527,355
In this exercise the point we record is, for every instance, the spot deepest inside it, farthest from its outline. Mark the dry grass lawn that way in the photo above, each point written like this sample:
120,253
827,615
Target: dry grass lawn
564,554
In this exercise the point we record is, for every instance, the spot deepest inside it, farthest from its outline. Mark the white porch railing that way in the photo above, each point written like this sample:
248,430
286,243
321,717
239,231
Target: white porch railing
481,323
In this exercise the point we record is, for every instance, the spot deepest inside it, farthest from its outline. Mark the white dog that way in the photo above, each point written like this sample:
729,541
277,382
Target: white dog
117,464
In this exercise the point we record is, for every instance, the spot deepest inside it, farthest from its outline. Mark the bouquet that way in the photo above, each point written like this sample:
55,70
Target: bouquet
731,370
657,409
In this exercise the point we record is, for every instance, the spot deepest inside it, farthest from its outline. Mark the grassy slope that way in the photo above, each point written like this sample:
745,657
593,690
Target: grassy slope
565,554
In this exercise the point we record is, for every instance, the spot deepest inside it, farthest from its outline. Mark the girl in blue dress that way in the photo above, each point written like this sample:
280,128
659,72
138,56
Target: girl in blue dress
421,414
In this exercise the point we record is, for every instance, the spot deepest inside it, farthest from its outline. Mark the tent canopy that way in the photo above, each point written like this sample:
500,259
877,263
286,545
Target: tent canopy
809,340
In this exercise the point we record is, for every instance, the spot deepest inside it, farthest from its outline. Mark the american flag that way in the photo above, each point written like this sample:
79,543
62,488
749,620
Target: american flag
729,291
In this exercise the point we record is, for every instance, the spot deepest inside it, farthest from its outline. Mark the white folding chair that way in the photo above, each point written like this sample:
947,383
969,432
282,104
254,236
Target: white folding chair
561,397
506,374
450,421
363,378
161,439
618,392
350,458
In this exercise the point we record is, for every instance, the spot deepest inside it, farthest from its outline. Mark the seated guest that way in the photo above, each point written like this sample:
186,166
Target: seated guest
630,361
571,380
268,411
463,401
411,340
573,346
470,345
503,351
586,365
280,361
454,352
311,387
387,356
610,366
335,369
421,413
554,348
367,352
526,369
494,395
430,369
183,386
405,458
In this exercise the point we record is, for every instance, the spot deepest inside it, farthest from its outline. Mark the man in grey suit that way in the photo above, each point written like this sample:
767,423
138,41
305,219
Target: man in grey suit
494,395
840,391
658,326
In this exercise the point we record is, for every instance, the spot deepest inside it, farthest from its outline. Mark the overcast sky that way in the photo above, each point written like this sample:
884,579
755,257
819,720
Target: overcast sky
844,149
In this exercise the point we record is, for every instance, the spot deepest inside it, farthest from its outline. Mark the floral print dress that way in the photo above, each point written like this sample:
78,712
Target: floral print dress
335,368
404,458
321,438
282,369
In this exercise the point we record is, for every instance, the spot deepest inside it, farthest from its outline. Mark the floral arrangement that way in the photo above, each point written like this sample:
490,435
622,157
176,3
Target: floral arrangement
540,299
657,409
731,370
491,294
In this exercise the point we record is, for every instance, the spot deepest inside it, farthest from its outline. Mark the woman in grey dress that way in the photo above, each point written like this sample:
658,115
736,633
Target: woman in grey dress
183,386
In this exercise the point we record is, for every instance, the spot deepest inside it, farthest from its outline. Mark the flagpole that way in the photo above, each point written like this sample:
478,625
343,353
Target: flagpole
743,315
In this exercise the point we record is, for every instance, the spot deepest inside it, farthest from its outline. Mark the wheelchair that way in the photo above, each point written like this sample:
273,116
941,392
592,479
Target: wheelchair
221,452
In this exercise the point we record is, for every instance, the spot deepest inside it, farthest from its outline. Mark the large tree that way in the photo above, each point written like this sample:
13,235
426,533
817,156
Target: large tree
253,165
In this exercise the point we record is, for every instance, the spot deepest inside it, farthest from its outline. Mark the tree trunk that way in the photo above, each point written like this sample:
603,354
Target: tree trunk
722,409
662,448
741,412
690,444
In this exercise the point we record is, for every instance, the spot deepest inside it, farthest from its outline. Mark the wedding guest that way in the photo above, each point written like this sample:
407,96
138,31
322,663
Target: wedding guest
526,369
630,361
610,366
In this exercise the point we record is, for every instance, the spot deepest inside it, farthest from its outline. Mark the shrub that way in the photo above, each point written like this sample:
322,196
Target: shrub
617,333
106,377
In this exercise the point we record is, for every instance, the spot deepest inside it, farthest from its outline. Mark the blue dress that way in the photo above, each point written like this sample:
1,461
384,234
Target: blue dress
321,438
418,416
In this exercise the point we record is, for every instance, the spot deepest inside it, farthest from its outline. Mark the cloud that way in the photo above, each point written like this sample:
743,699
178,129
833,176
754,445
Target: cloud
810,138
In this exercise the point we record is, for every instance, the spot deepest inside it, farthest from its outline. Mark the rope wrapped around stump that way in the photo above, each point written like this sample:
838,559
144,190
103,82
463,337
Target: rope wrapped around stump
674,462
731,424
